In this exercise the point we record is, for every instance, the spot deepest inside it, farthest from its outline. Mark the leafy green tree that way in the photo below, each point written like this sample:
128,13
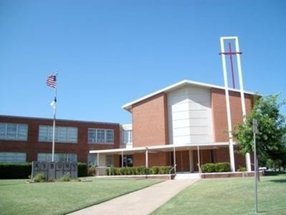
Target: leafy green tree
270,139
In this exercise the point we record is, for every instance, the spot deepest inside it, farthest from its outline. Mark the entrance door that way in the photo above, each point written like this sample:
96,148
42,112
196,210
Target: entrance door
182,161
127,161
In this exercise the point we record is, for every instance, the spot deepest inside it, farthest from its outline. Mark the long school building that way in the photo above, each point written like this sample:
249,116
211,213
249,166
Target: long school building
183,125
26,139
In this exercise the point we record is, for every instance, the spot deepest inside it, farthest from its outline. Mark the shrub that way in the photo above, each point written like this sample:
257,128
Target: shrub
208,167
241,169
81,169
155,170
15,170
216,167
222,167
91,171
66,177
39,177
141,170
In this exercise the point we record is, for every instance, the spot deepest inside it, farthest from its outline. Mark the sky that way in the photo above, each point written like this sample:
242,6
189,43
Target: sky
110,52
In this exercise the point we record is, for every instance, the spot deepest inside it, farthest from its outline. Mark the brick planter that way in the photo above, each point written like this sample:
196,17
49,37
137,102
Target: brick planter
228,174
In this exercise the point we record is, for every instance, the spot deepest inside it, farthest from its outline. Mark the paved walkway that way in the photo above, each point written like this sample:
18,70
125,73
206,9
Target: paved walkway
140,202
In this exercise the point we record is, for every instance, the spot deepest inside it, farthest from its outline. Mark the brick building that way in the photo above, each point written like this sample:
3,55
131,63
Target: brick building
184,124
26,139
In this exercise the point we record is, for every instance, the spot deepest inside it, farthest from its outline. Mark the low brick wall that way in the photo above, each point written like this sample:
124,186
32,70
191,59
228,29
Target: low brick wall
161,176
228,174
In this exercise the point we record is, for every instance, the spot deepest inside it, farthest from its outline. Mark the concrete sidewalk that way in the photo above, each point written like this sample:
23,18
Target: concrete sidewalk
141,202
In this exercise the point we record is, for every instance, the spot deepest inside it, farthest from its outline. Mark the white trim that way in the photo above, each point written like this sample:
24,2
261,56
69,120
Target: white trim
175,86
158,147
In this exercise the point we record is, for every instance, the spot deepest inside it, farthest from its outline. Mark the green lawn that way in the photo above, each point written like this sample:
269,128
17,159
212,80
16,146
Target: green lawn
20,197
229,196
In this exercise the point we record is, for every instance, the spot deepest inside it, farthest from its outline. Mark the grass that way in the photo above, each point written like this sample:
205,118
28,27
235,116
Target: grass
20,197
229,196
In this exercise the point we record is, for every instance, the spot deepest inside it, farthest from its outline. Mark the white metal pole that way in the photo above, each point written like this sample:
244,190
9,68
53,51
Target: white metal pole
199,159
241,87
54,125
53,143
255,130
146,158
122,160
228,112
174,159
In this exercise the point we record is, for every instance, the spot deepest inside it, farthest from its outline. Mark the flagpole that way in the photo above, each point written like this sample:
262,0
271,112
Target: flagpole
54,125
54,118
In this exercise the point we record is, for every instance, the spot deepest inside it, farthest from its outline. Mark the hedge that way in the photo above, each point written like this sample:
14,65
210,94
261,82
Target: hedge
24,170
141,170
216,167
82,169
15,171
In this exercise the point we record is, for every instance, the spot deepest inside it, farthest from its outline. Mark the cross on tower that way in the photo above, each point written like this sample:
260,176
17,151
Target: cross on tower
230,53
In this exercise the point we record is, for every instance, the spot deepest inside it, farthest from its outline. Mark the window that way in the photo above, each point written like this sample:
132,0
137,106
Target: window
62,134
127,136
92,159
96,135
12,157
109,136
13,131
58,157
109,160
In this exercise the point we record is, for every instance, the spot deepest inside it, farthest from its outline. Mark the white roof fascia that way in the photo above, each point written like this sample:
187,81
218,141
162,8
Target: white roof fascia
177,85
157,147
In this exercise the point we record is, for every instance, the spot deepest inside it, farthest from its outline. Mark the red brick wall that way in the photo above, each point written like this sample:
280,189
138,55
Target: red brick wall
155,159
219,112
150,121
32,146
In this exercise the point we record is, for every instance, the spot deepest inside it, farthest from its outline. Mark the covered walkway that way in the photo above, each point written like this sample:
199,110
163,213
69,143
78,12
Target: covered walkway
189,148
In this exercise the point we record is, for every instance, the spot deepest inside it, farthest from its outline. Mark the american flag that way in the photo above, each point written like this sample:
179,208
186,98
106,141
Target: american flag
51,81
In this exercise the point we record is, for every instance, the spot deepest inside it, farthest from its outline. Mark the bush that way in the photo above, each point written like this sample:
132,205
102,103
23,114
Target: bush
81,169
222,167
15,170
241,169
208,167
39,177
66,177
141,170
216,167
91,171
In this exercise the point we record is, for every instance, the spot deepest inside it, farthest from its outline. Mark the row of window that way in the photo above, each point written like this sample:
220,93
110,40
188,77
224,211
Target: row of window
12,131
19,157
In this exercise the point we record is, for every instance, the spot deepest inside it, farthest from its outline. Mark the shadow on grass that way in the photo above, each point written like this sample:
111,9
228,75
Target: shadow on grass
278,180
273,211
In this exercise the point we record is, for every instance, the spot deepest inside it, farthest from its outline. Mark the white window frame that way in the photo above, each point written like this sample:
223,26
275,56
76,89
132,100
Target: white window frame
19,131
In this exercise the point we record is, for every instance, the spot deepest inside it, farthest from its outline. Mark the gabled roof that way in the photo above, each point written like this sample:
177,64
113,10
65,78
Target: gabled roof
177,85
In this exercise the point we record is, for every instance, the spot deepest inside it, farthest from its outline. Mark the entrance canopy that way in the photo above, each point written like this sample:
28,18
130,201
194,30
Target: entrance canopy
154,149
160,148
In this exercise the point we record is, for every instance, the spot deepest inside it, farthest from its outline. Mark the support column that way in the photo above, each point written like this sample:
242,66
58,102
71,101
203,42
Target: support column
199,159
146,158
174,158
191,154
122,163
97,159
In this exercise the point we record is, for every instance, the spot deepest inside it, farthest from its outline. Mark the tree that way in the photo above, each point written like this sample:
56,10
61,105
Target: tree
271,136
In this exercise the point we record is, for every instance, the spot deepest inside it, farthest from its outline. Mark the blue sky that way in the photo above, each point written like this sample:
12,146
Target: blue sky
111,52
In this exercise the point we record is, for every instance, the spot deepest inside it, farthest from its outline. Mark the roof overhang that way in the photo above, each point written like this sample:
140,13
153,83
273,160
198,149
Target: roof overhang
161,148
180,84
